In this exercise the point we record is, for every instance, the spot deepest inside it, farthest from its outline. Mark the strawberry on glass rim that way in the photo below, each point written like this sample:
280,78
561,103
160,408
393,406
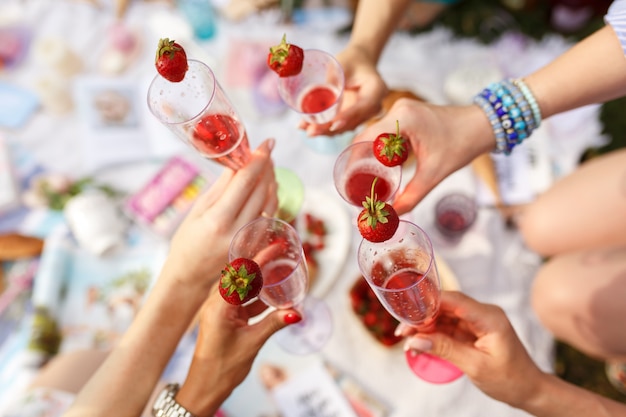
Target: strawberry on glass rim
285,59
391,149
241,280
378,221
171,60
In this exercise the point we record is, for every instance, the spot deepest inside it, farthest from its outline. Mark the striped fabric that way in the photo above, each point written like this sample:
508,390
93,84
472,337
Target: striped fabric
616,17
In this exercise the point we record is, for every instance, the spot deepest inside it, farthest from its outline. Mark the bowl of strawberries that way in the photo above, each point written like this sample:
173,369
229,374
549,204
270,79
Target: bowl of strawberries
376,320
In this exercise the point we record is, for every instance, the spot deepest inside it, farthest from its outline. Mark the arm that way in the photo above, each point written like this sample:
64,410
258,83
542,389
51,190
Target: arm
127,378
592,71
374,22
446,138
479,339
225,350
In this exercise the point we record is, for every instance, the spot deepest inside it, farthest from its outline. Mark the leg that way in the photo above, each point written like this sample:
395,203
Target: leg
586,209
580,297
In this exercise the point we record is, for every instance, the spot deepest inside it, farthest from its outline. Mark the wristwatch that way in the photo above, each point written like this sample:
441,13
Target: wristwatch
166,406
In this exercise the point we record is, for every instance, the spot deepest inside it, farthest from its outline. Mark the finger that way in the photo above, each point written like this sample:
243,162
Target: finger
255,307
212,194
263,197
274,322
243,183
480,318
411,195
461,354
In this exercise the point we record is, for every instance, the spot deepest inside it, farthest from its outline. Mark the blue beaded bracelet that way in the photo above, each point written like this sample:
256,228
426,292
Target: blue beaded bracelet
512,110
529,96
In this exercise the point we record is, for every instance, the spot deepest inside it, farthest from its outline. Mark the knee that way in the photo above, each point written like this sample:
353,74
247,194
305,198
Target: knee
534,228
551,298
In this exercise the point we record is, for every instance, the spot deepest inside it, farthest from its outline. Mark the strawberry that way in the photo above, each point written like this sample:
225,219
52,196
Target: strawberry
378,221
241,281
285,59
391,149
171,60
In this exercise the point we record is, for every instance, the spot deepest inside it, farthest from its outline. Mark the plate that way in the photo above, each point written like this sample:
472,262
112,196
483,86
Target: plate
323,205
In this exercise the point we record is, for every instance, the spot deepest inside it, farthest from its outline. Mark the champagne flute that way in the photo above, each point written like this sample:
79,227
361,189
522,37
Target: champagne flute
316,92
275,245
403,274
198,112
355,169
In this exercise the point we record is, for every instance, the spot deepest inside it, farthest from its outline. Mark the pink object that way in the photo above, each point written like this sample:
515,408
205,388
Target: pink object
431,368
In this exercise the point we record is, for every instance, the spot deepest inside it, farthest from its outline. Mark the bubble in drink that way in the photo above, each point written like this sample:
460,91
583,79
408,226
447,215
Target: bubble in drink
217,134
416,300
279,289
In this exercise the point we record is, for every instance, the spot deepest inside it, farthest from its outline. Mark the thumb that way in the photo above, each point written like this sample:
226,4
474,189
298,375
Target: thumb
275,321
442,346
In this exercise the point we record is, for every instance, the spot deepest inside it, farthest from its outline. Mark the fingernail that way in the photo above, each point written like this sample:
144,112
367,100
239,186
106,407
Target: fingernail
270,143
337,124
398,331
292,318
418,344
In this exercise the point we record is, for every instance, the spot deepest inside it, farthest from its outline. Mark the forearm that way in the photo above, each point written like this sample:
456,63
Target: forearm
374,22
127,378
592,71
558,398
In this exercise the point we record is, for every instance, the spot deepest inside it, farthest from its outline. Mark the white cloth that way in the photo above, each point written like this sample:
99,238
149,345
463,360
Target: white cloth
491,264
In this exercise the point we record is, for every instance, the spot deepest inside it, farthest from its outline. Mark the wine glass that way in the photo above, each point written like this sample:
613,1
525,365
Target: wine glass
455,213
315,92
355,169
403,274
198,111
275,245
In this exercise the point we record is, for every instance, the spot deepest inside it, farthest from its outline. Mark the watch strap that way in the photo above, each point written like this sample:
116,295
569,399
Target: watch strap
166,405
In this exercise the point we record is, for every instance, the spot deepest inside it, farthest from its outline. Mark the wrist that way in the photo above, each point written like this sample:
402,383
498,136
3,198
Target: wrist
478,132
201,397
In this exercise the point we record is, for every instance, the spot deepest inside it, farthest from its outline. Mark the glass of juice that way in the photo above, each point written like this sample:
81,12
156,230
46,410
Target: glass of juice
199,113
454,214
316,92
355,169
275,245
403,274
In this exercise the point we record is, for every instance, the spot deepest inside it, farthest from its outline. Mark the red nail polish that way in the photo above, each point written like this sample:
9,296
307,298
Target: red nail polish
291,318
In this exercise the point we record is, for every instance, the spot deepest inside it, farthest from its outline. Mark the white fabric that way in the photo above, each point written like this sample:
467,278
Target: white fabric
491,264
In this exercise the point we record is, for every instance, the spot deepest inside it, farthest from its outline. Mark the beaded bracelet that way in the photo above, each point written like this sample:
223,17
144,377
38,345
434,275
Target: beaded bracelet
512,111
534,106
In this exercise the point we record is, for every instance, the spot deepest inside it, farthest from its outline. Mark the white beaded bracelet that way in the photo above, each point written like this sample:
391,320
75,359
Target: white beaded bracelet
530,98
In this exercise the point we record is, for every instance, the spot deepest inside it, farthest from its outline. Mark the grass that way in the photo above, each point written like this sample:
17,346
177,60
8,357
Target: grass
579,369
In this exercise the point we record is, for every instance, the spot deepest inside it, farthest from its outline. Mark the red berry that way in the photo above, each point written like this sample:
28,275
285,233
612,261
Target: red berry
285,59
171,60
391,149
241,281
378,221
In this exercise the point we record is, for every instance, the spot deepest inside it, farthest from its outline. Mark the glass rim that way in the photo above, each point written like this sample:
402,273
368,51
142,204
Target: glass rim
344,154
431,264
339,97
287,226
159,77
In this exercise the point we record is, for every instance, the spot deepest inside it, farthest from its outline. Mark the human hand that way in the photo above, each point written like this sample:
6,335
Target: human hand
362,97
225,350
443,139
200,245
479,339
